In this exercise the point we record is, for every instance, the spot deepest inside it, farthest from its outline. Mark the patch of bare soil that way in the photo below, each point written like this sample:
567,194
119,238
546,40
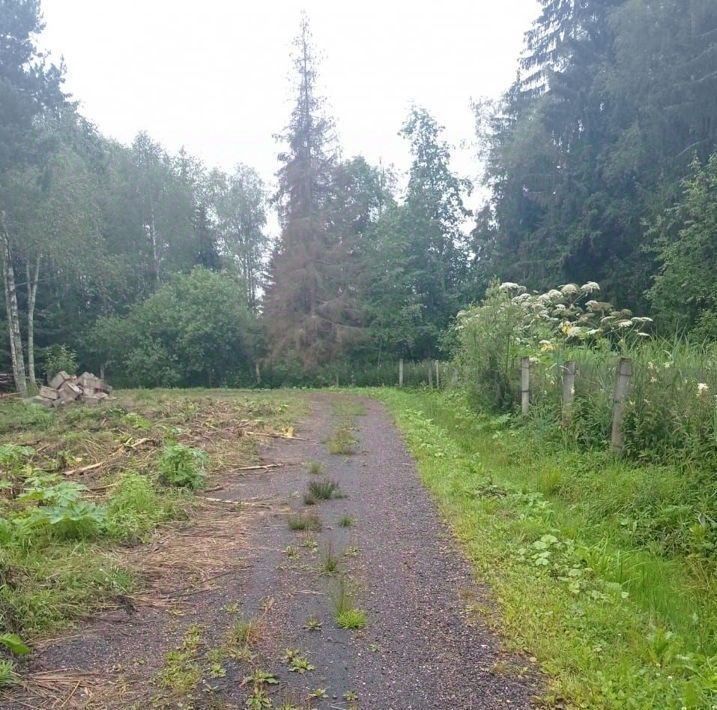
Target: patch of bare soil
241,610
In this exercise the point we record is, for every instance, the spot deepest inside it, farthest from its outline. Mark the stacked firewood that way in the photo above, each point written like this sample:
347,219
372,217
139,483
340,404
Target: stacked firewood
63,389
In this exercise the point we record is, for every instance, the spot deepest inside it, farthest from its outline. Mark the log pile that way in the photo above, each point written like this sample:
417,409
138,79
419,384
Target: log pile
63,389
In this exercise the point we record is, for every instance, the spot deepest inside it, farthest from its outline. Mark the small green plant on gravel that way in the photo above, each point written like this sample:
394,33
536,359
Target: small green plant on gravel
343,441
349,408
351,551
258,700
182,466
297,662
347,615
260,677
311,544
353,619
350,696
244,632
330,562
319,694
324,489
313,623
290,551
217,670
304,521
315,467
182,671
309,499
346,521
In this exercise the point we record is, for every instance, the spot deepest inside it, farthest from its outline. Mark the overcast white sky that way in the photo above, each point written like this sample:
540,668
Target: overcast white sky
212,75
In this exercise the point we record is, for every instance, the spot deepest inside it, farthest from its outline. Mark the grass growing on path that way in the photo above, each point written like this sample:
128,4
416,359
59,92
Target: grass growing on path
586,556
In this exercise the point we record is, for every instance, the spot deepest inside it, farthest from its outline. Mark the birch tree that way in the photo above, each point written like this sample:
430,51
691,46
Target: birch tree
29,87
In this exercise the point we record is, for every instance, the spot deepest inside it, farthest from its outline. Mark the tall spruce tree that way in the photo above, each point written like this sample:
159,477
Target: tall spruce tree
302,319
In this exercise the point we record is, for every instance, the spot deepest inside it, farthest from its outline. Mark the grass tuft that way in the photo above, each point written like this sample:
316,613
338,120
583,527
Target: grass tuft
304,521
346,613
315,467
330,562
343,440
324,489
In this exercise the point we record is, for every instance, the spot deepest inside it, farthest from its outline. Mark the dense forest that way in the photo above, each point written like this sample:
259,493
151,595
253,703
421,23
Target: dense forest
159,270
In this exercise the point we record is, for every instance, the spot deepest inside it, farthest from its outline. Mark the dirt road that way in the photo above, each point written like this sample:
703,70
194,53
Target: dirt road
382,553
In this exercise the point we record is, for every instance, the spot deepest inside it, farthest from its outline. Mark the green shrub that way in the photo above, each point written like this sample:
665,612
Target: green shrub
58,358
195,329
183,466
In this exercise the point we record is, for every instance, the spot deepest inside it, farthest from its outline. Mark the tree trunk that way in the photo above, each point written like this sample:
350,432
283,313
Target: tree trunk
32,279
155,247
13,315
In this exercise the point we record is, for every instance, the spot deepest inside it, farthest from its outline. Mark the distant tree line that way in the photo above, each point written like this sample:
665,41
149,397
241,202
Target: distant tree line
596,155
159,270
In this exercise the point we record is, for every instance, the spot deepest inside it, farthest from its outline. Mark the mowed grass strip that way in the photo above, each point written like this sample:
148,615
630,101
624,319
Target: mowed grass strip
576,552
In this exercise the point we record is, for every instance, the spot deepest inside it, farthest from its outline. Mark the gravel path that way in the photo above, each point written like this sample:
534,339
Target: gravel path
424,645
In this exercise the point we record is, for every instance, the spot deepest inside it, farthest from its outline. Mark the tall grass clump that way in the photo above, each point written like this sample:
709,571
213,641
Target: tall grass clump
136,508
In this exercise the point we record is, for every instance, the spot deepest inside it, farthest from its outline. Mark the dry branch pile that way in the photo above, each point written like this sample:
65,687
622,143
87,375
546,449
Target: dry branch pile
64,388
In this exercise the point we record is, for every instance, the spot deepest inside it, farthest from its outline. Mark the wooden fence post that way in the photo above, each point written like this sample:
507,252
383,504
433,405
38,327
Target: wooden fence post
400,372
430,376
257,371
525,384
569,370
438,376
622,388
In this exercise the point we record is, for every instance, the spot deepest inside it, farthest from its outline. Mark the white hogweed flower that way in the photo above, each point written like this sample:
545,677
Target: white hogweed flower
510,286
590,287
569,290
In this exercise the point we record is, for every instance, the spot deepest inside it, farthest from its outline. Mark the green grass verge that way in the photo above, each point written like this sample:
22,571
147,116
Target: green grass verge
578,557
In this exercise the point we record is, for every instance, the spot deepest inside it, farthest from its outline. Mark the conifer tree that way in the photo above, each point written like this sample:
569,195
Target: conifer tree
300,321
